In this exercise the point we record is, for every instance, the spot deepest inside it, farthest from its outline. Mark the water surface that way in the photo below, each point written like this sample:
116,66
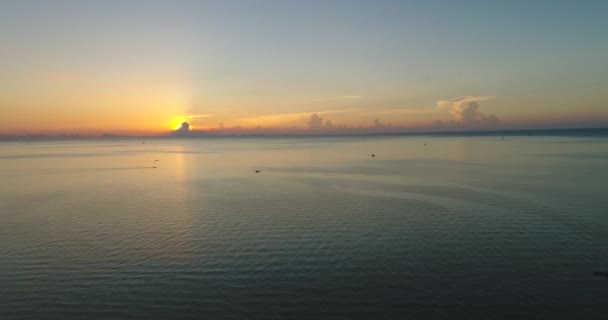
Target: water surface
431,227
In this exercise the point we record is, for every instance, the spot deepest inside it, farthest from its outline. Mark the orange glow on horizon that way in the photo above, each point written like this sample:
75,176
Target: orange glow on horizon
176,123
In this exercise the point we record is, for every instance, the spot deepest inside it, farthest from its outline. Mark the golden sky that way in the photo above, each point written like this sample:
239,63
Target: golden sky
231,67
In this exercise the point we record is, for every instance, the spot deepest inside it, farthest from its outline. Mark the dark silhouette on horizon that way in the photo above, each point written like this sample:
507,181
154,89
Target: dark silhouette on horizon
183,130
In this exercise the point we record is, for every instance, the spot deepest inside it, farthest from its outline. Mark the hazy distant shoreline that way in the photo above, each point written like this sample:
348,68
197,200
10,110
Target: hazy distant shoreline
579,132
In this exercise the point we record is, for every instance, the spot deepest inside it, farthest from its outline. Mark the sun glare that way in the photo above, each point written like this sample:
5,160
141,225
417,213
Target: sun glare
176,123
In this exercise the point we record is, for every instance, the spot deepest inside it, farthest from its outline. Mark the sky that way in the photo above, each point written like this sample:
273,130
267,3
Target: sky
143,67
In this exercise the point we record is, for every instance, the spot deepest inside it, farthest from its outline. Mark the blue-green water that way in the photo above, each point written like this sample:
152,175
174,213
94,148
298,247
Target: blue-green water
462,227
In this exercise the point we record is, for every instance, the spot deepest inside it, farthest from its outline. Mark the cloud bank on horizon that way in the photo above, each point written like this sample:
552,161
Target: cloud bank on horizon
464,111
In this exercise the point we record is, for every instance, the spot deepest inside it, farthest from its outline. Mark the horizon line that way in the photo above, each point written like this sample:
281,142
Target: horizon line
603,131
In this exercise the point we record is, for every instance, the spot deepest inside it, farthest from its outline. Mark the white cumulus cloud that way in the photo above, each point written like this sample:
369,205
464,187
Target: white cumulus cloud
465,110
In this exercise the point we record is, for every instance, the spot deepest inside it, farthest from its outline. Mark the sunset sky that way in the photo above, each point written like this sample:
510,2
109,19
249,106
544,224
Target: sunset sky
142,67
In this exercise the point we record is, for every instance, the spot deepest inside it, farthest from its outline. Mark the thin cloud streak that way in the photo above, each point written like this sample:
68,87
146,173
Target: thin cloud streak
286,118
198,116
416,111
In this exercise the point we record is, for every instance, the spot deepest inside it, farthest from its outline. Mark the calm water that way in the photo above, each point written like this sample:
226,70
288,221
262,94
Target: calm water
463,227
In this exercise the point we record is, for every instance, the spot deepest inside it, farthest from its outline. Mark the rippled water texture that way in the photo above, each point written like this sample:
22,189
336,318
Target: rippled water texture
462,227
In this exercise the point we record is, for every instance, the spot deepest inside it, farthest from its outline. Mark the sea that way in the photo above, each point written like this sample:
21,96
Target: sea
435,226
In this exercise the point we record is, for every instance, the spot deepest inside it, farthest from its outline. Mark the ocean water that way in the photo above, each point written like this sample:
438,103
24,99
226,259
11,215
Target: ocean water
430,228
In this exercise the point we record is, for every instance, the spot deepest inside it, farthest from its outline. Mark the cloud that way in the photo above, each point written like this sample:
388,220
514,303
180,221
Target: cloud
401,111
465,110
379,125
197,116
183,130
287,118
315,122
